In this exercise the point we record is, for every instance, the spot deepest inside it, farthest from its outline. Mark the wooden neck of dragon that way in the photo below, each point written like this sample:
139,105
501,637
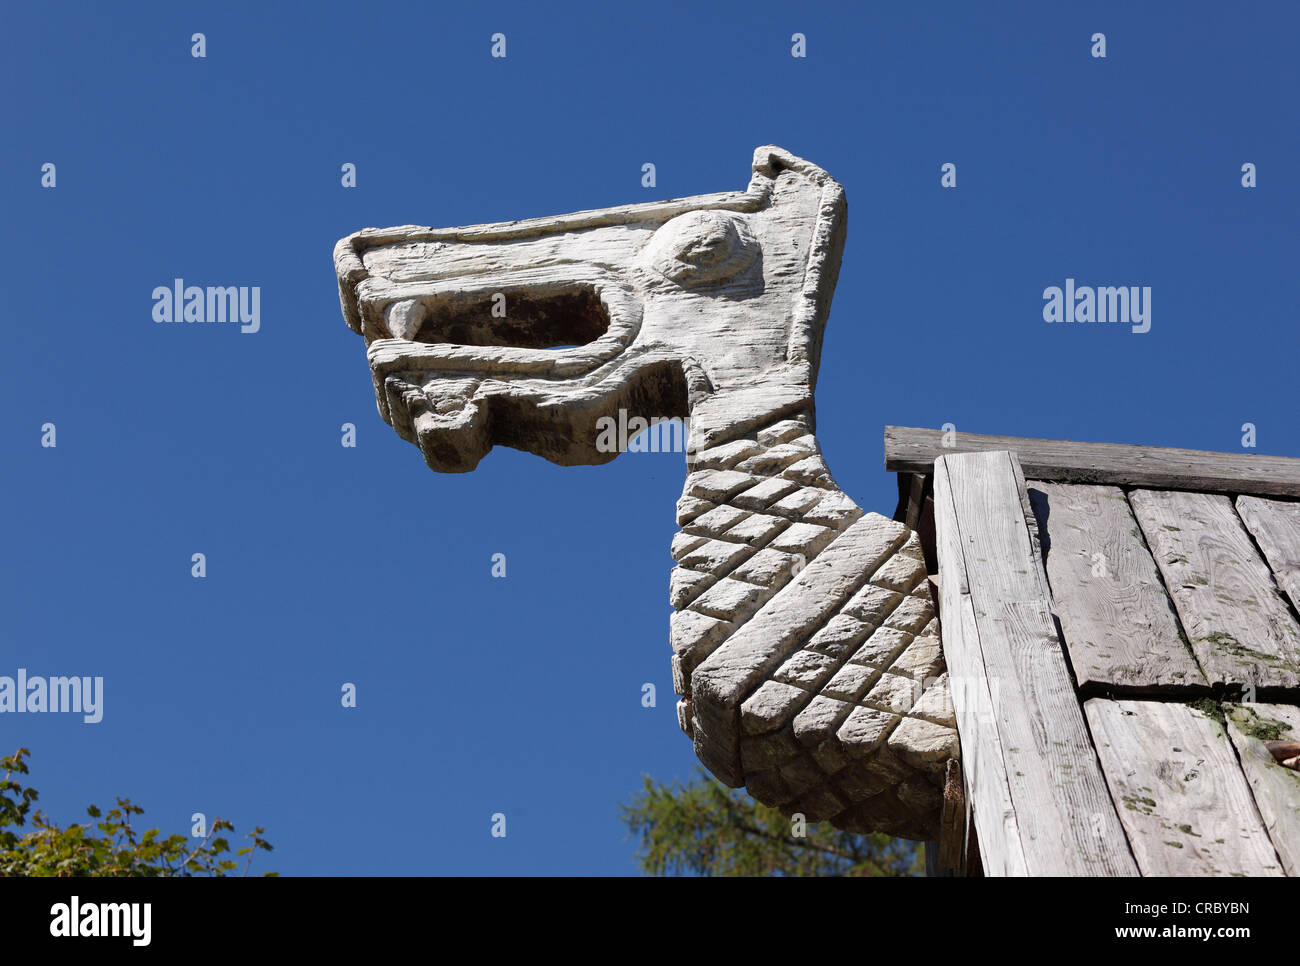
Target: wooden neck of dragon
805,643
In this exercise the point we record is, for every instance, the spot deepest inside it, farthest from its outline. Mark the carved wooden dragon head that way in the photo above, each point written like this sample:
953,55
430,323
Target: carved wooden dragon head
805,641
713,304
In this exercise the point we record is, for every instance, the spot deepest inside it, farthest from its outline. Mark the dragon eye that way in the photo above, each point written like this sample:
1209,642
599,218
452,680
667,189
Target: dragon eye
702,246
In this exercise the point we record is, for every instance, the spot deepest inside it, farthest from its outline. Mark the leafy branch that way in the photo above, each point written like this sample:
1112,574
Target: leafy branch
705,828
118,850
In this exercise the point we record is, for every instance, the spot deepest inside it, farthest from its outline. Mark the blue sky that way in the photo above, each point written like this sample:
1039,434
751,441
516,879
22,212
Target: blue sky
329,565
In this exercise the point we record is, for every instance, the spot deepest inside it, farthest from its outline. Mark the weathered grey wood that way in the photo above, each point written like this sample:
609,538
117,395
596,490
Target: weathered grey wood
1238,624
531,335
952,829
991,817
915,450
1115,616
1275,787
915,491
1063,815
1275,525
1181,793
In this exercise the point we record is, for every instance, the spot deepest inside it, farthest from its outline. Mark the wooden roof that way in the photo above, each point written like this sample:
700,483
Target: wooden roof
909,450
1127,648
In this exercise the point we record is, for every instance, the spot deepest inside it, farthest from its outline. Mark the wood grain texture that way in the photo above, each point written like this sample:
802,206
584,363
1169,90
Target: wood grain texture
914,450
988,793
1276,788
952,830
1117,620
1275,525
1060,811
1181,793
1240,627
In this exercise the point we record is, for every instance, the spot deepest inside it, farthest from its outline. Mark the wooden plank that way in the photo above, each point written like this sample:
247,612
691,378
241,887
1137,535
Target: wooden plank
1182,795
915,492
1275,525
913,450
1275,787
1117,620
983,763
1060,810
1238,624
952,824
904,481
925,529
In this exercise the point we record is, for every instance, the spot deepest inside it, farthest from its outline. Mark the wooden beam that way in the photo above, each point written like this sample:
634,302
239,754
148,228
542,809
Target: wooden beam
909,450
1115,616
1184,801
952,825
1275,787
915,495
1040,804
984,765
1239,625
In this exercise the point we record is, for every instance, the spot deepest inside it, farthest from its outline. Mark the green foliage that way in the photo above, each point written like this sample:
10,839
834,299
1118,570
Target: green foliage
705,828
49,850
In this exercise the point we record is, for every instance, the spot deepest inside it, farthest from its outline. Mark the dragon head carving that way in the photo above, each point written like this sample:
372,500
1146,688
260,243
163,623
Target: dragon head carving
805,642
525,333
